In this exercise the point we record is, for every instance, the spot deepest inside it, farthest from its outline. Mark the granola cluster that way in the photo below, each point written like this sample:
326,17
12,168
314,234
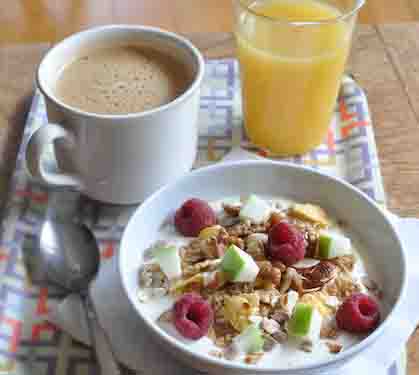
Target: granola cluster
269,300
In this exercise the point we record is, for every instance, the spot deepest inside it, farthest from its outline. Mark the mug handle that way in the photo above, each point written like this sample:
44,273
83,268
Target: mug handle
36,147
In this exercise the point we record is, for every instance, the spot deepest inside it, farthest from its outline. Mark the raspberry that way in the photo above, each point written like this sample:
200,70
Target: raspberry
286,243
193,316
359,313
193,216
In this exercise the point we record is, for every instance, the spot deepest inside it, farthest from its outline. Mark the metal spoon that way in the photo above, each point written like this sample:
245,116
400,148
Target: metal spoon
71,258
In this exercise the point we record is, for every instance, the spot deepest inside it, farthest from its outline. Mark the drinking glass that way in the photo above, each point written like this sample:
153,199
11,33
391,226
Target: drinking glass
292,54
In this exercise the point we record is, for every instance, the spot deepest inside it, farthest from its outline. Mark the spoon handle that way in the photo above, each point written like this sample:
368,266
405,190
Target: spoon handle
100,342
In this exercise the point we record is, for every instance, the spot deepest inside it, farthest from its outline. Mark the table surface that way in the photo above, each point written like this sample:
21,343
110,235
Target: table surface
384,60
33,21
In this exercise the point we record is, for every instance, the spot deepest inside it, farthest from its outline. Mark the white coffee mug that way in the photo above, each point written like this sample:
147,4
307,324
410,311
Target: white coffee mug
116,158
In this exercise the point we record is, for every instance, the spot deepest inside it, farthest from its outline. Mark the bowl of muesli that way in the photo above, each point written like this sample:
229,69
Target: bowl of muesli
260,266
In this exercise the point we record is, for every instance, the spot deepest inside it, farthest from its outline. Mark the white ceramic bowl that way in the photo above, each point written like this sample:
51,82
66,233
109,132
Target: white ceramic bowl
365,219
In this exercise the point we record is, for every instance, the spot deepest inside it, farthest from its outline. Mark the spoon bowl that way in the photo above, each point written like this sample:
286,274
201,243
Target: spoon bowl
71,254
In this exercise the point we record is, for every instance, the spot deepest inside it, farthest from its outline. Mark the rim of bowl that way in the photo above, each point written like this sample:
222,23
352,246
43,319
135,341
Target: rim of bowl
183,43
355,349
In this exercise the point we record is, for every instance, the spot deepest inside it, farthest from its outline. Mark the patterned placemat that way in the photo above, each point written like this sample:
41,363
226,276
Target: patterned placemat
28,344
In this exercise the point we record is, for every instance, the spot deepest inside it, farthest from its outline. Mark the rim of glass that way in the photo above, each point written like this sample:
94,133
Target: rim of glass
358,4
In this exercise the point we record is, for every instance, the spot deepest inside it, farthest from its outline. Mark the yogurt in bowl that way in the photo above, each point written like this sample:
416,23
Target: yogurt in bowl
217,280
373,265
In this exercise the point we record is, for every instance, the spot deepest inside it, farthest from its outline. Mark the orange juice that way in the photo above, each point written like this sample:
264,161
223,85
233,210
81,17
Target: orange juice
290,71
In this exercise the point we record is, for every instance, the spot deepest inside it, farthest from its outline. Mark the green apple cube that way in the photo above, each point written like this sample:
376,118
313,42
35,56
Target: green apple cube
238,265
332,245
250,340
305,322
168,258
255,209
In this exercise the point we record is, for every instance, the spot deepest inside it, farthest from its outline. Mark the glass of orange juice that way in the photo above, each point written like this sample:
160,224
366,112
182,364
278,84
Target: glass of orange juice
292,55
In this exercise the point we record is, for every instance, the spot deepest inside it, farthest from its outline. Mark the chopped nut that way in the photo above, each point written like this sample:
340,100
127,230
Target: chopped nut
261,237
264,309
231,210
290,278
334,347
224,330
369,284
270,325
245,229
239,288
206,265
342,286
281,266
265,268
309,212
328,332
154,280
280,316
253,358
269,297
280,336
166,317
228,221
216,353
345,263
372,286
317,276
269,273
276,276
311,235
319,300
202,249
239,242
306,346
255,246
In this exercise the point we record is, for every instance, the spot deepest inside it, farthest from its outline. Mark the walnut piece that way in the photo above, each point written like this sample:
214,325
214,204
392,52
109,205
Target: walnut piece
269,273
